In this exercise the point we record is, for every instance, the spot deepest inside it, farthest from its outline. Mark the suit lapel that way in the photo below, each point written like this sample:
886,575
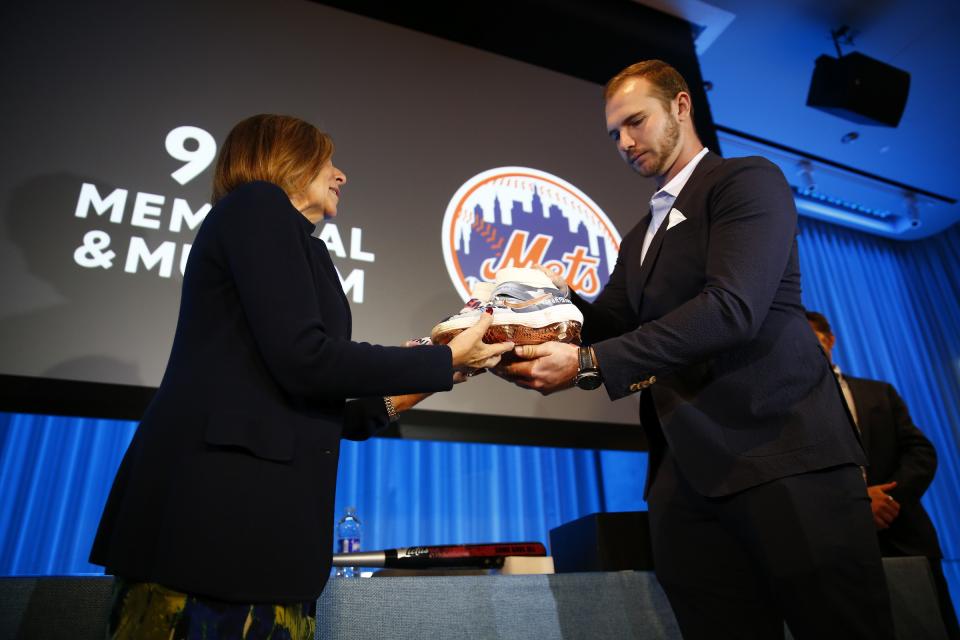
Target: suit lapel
706,164
635,291
861,401
652,252
325,263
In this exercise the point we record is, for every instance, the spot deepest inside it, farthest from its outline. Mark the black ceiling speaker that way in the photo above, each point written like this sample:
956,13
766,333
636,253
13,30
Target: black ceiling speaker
860,89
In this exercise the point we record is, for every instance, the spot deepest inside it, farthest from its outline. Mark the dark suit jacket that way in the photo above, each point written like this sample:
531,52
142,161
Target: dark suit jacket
227,488
712,327
897,450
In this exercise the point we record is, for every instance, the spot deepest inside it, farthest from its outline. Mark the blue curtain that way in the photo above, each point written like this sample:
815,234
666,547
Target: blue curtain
54,477
56,472
895,308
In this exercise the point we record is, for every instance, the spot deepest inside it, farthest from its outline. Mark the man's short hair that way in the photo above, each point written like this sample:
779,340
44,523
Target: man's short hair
819,322
665,80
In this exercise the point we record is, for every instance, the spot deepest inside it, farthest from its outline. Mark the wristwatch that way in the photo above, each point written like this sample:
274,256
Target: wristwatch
588,376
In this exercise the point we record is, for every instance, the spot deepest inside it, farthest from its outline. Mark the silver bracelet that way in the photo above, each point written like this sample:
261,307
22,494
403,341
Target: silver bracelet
391,410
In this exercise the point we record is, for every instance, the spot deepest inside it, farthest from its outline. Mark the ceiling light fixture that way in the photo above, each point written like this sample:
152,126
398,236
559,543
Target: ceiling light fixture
828,191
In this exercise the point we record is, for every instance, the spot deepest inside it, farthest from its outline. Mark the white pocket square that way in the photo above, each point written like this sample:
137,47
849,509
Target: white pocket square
675,218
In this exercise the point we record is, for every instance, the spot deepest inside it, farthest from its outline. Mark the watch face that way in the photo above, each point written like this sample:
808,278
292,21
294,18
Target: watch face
588,381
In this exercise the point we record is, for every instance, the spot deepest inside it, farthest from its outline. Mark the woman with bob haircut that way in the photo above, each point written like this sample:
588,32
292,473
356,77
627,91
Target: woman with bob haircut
220,519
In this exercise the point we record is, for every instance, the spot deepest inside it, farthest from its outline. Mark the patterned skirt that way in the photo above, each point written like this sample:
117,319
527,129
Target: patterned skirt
146,610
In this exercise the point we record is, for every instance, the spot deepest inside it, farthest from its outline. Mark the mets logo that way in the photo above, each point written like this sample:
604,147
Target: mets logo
517,217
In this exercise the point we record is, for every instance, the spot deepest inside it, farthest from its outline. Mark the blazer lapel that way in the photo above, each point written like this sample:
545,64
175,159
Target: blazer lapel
706,164
652,252
325,264
635,291
861,402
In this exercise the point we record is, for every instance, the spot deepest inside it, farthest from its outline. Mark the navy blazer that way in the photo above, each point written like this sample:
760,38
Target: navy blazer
897,451
227,488
712,329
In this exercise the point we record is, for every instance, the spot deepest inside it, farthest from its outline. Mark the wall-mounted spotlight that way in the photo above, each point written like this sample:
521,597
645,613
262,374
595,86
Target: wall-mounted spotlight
805,177
912,208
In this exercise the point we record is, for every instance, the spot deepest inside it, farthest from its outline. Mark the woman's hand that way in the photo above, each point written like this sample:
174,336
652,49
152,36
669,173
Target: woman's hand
470,353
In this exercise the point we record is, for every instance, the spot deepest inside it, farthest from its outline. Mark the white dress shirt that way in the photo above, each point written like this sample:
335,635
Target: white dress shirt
847,394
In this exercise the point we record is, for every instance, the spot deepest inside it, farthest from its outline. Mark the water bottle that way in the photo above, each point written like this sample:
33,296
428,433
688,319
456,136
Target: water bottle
348,541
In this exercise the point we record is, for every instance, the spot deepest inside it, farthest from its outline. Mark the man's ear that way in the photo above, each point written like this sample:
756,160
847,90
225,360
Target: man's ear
684,104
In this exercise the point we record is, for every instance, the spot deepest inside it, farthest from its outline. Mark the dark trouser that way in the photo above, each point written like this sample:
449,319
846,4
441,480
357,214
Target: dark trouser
800,549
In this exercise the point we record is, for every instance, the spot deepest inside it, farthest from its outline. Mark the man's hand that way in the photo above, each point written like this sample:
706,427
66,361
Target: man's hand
885,508
546,367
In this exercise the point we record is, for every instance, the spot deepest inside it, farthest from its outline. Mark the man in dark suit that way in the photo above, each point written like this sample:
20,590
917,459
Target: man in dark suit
902,463
758,509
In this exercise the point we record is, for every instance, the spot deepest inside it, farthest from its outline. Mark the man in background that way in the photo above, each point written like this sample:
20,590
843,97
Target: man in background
902,462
